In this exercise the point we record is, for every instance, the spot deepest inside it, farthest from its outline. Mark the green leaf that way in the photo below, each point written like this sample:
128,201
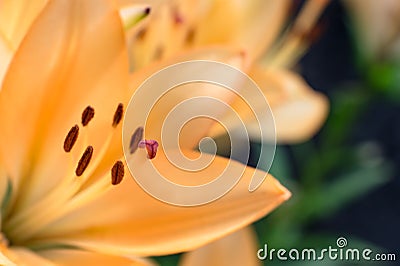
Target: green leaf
342,190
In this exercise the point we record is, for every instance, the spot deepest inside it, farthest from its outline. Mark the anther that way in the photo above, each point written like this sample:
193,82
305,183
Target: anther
135,139
71,138
87,115
190,35
141,34
151,147
84,161
118,115
117,173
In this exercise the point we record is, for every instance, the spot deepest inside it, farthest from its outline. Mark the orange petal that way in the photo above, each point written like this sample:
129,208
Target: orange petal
81,257
5,57
237,249
73,56
23,256
252,25
16,16
136,223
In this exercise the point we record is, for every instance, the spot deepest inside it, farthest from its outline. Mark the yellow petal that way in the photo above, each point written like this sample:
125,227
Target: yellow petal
298,111
73,56
239,248
87,258
136,223
16,16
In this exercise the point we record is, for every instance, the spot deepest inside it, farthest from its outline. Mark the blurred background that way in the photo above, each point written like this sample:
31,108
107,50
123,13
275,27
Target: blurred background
345,180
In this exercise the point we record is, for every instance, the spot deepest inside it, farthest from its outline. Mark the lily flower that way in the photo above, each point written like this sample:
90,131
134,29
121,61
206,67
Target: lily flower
64,198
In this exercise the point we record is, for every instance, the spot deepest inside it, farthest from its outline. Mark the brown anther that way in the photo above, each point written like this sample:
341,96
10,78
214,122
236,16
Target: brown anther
158,52
135,139
117,173
151,147
118,115
141,34
84,161
71,138
87,115
190,35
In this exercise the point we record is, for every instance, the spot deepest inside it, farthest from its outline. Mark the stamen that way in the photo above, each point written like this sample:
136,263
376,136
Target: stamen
135,139
158,53
190,35
117,173
151,147
84,161
141,34
118,115
177,16
87,115
71,138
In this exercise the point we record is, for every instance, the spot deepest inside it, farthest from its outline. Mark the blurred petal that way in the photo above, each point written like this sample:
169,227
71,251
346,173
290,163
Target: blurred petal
136,223
236,249
376,25
252,25
16,16
5,260
299,111
51,80
81,257
5,57
23,256
178,25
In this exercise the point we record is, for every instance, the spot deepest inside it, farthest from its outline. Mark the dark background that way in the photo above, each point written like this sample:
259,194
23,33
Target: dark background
329,67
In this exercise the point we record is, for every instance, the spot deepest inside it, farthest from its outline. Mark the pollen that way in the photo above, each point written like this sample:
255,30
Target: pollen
87,115
84,161
71,138
135,139
151,147
118,115
117,173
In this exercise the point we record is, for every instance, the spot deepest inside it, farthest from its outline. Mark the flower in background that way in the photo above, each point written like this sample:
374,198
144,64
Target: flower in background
65,84
256,28
376,27
377,39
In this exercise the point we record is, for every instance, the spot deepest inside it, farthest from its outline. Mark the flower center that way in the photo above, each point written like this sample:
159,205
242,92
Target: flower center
76,189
